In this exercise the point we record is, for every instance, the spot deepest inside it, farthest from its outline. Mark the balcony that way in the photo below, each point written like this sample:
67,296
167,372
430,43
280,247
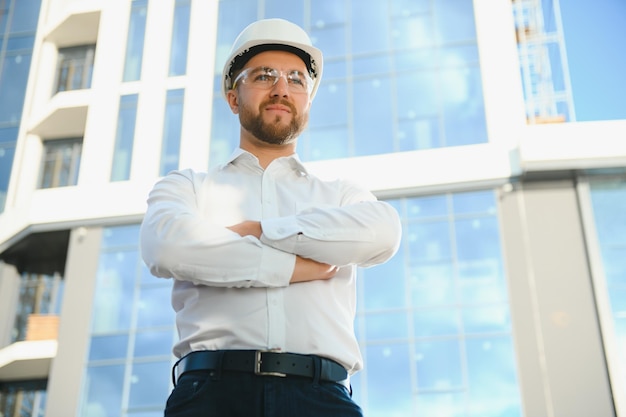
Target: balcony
31,359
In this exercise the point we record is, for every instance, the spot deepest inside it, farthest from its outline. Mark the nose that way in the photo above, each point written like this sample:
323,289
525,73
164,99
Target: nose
281,88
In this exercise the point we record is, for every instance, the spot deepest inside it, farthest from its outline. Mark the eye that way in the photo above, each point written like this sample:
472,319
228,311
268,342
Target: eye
264,75
296,77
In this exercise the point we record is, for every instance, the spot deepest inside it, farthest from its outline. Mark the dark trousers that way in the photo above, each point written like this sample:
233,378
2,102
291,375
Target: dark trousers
236,394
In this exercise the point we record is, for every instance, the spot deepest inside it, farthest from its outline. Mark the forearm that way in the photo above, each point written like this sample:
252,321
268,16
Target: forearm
365,234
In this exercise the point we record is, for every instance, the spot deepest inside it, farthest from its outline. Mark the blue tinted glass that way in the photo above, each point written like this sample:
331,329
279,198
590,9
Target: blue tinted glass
104,387
432,284
417,94
413,31
477,239
439,364
108,347
330,107
170,151
388,395
25,15
121,236
418,133
491,373
453,20
115,289
154,343
224,132
290,10
464,112
148,386
441,321
7,153
384,286
125,135
328,12
369,31
331,40
153,307
13,79
373,109
372,65
324,143
387,326
235,15
425,207
474,202
135,40
485,319
429,241
20,42
180,38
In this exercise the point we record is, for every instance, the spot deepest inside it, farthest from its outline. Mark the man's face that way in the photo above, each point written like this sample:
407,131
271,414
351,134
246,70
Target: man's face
277,114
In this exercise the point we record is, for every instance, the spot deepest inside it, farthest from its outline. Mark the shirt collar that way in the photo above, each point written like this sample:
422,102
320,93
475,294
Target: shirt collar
292,160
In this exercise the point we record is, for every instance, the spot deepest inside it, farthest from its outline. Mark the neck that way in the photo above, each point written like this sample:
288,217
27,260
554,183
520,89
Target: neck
266,152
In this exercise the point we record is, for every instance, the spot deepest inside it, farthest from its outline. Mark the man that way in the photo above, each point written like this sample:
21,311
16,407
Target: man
264,254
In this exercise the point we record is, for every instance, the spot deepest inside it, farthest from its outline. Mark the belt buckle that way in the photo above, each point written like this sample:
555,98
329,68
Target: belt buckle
258,359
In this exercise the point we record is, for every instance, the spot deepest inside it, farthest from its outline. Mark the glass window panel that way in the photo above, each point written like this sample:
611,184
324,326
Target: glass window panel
423,58
325,143
432,285
330,106
614,265
25,15
485,319
172,128
454,20
333,68
377,64
13,79
180,38
75,68
474,202
370,26
388,396
439,364
7,152
419,133
135,40
492,377
384,285
154,343
124,138
149,384
20,42
115,288
429,241
409,7
152,307
425,207
108,347
103,390
121,236
235,15
477,239
224,132
372,108
417,94
464,110
448,404
441,321
290,10
327,12
391,325
61,162
412,32
331,40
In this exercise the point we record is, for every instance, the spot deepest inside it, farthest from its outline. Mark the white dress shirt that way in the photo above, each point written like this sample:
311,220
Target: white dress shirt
233,292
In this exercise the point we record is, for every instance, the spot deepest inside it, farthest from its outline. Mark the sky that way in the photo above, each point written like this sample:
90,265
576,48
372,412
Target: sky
595,40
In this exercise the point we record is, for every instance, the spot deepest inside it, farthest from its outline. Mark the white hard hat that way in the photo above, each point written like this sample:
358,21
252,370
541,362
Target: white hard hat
273,34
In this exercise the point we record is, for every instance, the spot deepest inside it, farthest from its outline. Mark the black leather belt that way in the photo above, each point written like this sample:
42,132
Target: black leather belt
261,362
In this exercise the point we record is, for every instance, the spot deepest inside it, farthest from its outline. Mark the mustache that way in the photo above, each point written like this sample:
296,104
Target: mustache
281,101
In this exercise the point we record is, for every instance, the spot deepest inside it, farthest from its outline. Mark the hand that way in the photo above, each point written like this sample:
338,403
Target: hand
310,270
247,228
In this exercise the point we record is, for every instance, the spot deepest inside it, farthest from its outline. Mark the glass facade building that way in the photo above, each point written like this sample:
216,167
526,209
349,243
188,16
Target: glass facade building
456,112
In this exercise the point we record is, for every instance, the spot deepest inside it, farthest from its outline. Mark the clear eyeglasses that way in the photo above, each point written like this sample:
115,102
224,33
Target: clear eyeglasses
265,78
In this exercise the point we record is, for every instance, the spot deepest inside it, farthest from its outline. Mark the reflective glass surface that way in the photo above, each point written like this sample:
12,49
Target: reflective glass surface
434,323
172,126
180,38
398,75
124,138
132,333
135,40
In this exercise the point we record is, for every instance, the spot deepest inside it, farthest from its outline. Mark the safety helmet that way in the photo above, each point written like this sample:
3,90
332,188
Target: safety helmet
272,34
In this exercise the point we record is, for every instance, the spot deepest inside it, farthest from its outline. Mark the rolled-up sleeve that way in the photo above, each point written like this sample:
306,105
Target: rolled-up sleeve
178,242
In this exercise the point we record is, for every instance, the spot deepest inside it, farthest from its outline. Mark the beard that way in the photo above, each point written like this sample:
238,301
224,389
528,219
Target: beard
274,132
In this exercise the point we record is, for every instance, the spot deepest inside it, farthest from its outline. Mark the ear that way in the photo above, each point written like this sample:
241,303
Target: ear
233,101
